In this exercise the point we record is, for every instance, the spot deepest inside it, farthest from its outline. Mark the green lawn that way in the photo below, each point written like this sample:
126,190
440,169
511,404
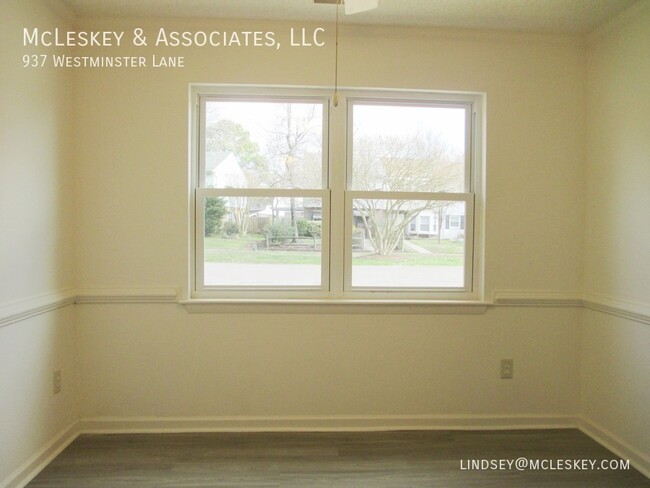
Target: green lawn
262,257
442,247
251,249
408,259
246,242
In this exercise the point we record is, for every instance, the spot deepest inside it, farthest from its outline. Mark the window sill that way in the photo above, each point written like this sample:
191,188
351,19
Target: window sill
325,306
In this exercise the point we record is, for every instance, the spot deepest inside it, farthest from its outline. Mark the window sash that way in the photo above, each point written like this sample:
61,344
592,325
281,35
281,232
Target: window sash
404,100
204,99
199,262
468,271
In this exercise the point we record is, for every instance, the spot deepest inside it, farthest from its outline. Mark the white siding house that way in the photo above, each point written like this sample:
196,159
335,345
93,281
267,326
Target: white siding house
222,170
429,224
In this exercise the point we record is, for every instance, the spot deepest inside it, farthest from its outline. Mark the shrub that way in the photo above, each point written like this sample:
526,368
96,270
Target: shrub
230,229
279,233
215,210
308,228
302,226
315,229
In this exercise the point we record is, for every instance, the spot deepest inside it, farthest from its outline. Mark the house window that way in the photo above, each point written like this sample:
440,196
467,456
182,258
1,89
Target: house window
434,224
424,224
455,221
294,198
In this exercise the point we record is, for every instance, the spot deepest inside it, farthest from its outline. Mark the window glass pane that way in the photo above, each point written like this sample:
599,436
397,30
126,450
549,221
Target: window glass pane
408,148
424,223
262,241
388,252
252,144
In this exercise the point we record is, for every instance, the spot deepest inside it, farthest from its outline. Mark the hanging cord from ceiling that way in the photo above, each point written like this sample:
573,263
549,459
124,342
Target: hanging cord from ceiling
335,100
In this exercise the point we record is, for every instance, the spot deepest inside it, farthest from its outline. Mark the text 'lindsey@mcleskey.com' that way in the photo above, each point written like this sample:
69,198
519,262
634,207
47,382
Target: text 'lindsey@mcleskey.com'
527,464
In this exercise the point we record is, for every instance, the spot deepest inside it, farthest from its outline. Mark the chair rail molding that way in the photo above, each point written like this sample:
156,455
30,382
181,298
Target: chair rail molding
534,298
18,311
127,295
636,311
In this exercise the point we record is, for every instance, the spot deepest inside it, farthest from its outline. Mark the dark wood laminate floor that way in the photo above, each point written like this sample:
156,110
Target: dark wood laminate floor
329,460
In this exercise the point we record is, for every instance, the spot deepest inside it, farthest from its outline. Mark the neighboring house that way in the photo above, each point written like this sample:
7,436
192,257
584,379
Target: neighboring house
281,208
313,209
425,224
222,170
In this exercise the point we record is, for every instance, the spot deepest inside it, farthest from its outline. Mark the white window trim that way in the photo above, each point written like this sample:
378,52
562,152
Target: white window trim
336,257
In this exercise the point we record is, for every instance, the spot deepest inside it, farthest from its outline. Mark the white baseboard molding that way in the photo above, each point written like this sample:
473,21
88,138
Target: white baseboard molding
613,443
133,425
105,425
35,464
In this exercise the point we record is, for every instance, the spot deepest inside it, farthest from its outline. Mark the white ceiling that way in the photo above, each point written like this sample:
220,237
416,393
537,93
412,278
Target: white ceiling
567,16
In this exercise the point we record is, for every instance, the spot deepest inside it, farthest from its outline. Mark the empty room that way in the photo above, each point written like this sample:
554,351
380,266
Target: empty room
311,243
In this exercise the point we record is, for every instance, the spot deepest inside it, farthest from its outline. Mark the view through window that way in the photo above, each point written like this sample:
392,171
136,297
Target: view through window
406,177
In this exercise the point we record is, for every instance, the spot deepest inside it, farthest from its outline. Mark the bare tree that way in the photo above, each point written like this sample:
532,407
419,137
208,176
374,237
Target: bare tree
226,135
240,210
296,132
419,163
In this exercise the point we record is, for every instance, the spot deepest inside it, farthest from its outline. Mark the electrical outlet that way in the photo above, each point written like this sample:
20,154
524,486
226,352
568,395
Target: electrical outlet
56,381
507,369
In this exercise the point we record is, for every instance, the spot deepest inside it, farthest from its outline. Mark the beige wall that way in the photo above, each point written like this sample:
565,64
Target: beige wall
616,359
156,361
132,144
36,200
36,243
30,414
142,360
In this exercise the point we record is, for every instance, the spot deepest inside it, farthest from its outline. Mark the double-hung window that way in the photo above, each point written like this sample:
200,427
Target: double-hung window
376,198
